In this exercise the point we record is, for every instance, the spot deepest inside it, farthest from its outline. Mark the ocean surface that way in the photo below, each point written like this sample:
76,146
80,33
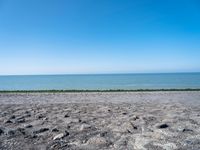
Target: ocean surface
100,81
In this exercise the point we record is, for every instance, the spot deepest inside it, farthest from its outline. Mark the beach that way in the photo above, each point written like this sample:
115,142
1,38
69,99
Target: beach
100,120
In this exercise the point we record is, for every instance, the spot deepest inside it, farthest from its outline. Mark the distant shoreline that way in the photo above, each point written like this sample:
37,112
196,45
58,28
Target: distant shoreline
109,90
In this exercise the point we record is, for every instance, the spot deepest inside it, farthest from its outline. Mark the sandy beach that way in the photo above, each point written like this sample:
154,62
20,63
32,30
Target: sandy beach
100,120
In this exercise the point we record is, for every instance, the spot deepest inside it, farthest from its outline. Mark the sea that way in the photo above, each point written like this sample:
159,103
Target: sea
101,81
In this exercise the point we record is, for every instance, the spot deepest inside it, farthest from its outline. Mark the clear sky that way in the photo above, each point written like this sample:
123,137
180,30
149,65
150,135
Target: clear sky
99,36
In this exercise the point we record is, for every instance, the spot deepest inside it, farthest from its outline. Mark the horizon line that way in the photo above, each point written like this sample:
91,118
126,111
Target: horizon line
114,73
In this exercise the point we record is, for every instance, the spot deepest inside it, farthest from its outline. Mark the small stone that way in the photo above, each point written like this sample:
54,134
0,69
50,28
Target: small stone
136,117
54,130
45,118
27,115
135,127
61,135
11,132
3,114
163,126
66,116
85,127
187,130
97,141
1,131
21,130
103,134
33,136
21,120
66,133
28,126
124,113
27,112
12,117
40,116
40,130
8,121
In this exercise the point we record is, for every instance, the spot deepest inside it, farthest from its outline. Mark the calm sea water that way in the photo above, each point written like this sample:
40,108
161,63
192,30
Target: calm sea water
109,81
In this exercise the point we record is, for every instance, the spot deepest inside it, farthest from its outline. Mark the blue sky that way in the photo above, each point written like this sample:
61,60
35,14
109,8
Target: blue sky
99,36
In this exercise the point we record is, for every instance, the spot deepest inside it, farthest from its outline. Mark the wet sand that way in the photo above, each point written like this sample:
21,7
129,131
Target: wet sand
100,120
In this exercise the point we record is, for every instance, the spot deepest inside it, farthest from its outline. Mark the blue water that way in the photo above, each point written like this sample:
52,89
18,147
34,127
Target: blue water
94,82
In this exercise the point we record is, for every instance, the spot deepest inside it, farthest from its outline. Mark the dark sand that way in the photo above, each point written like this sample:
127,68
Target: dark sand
116,120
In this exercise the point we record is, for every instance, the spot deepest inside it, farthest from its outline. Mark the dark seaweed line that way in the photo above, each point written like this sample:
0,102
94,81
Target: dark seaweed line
110,90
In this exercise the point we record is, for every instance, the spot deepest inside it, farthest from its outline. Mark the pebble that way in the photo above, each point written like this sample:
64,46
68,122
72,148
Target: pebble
21,130
40,116
85,127
27,112
66,133
33,136
187,130
61,135
12,117
97,141
54,130
163,126
11,132
8,121
20,120
46,118
1,131
28,126
66,116
124,113
27,115
136,117
103,134
40,130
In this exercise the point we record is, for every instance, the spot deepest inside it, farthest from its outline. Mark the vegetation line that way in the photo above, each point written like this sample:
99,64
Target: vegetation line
110,90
